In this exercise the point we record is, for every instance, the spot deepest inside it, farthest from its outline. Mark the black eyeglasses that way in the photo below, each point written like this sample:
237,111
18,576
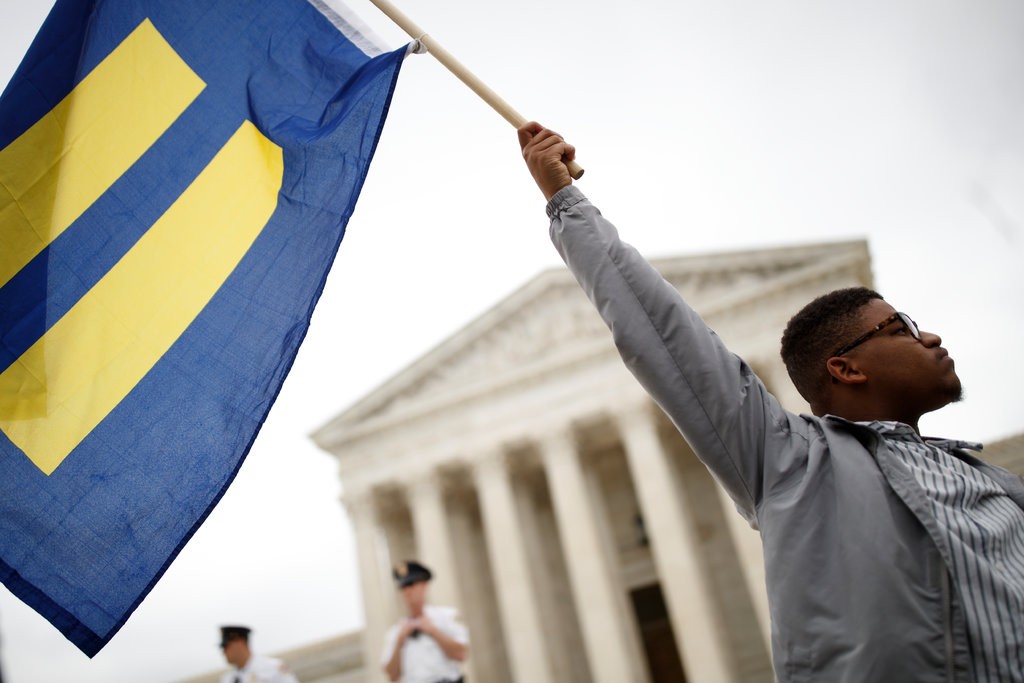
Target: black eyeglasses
908,324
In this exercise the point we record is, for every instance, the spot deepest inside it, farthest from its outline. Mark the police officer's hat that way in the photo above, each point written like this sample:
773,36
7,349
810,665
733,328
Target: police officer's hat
409,572
229,633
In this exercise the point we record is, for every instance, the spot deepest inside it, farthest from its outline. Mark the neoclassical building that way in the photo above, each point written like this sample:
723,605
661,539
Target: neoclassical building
561,512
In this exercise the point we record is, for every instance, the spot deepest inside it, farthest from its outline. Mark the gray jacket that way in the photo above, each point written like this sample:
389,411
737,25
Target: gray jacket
857,571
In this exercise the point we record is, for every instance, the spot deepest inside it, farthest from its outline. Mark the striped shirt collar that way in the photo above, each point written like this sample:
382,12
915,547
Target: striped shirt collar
900,431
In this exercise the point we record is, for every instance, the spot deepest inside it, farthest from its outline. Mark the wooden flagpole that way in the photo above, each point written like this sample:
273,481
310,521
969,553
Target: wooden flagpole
460,71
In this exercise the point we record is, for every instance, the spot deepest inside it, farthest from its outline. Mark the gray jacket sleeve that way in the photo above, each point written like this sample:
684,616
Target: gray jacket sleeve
713,397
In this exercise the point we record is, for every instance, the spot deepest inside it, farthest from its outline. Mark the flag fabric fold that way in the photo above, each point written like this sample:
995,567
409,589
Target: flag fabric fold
175,180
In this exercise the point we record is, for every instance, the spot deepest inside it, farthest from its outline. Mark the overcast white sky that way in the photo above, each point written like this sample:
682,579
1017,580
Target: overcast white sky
703,126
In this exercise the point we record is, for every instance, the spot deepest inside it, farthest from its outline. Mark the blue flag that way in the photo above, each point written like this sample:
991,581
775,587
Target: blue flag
175,179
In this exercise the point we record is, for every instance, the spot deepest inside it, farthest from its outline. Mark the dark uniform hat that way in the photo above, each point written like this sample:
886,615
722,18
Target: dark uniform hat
409,572
229,633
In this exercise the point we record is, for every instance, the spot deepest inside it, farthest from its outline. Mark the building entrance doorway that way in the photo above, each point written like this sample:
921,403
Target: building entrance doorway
659,640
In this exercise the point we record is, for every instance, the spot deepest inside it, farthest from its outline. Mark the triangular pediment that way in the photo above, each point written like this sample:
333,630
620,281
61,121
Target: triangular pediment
550,312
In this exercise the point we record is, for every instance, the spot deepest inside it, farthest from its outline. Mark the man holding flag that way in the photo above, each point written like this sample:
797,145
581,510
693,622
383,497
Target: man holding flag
889,556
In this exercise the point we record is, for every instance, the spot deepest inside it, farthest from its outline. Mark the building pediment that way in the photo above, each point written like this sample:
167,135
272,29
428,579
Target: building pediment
549,320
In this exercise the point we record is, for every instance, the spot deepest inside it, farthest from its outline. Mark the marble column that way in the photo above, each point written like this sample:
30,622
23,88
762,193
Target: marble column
750,552
434,548
697,624
746,540
433,536
527,650
374,578
610,637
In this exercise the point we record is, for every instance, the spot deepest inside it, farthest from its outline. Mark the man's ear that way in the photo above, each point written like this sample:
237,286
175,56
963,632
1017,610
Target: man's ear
845,371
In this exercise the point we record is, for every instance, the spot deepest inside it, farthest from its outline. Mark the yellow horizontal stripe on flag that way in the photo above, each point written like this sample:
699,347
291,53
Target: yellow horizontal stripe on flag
55,170
93,356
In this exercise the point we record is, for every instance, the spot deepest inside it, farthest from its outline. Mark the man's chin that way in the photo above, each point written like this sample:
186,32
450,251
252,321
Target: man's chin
956,392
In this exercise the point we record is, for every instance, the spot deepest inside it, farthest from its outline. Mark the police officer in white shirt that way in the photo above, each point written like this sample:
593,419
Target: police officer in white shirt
249,667
428,645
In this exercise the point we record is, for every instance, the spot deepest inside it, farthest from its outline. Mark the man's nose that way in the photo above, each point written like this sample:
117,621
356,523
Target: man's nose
930,339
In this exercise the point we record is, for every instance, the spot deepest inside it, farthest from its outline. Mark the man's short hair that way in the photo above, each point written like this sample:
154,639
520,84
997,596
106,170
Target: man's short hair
813,335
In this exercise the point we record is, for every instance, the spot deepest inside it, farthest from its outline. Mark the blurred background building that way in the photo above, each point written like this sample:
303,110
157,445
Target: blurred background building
560,511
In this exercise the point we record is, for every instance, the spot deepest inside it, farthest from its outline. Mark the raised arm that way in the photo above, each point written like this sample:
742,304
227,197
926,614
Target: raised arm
712,396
